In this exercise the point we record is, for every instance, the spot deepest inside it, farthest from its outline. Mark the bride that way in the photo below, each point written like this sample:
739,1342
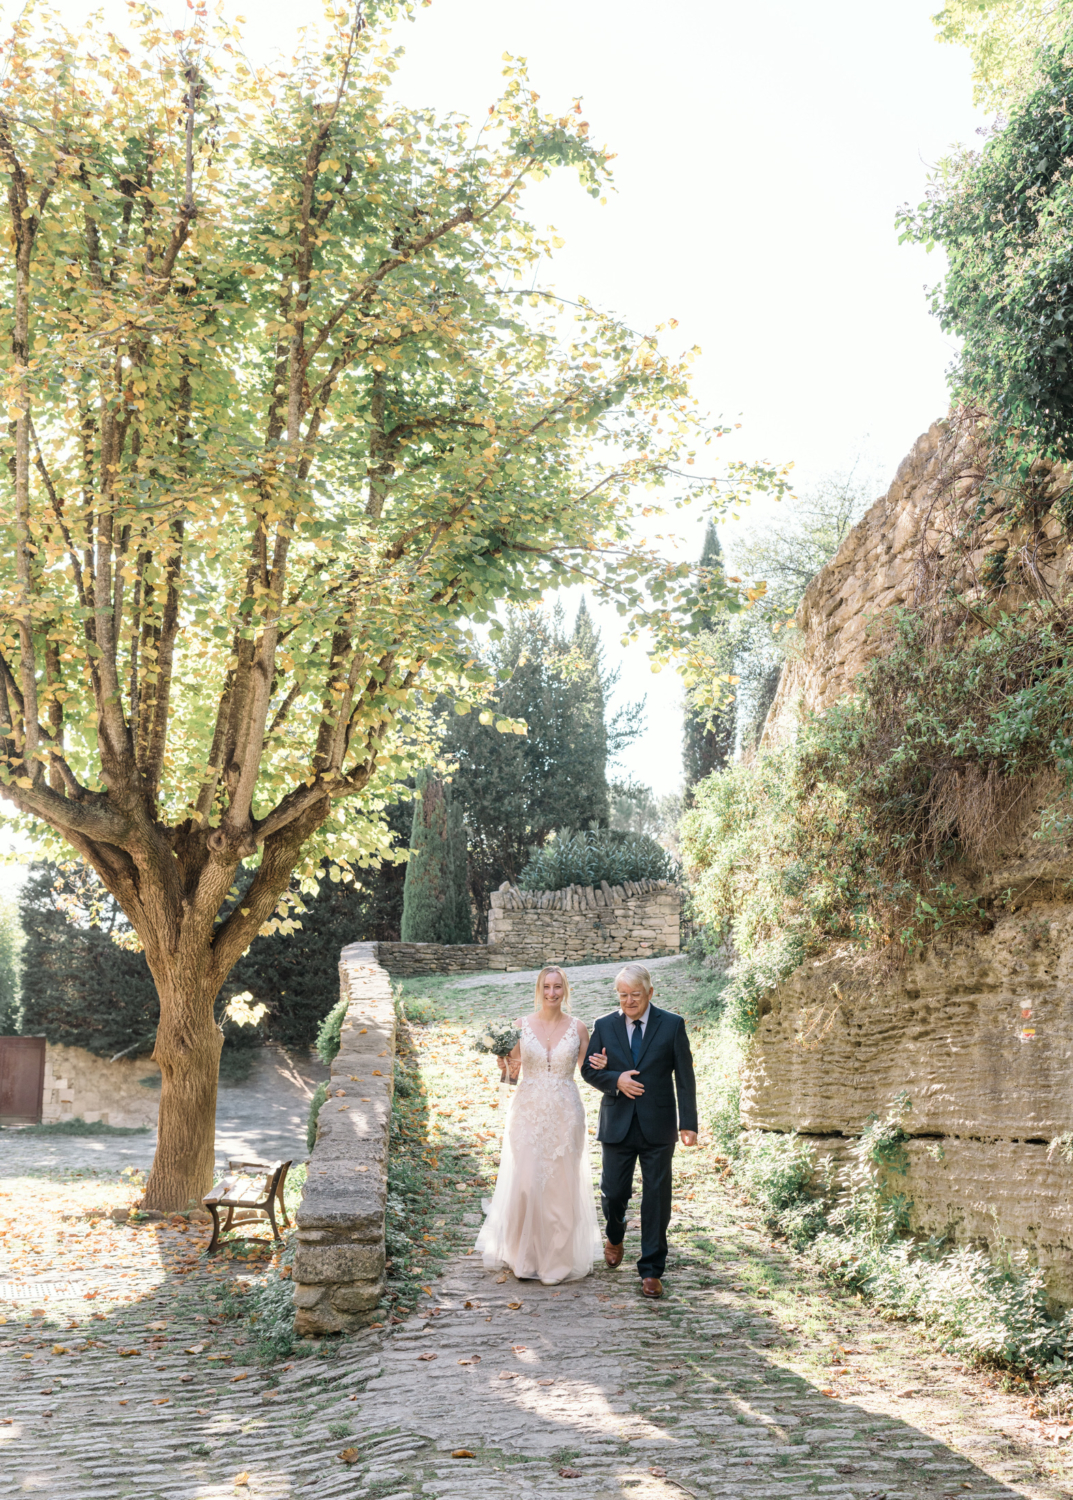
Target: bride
542,1221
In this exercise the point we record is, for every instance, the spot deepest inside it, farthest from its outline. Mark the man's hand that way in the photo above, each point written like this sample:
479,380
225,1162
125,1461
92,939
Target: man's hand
629,1085
598,1059
688,1137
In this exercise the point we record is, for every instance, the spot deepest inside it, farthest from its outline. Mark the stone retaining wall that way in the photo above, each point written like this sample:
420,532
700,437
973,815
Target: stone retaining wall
339,1266
583,924
977,1032
80,1085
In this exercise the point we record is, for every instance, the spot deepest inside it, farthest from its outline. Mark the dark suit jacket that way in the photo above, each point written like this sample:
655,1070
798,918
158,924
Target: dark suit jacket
665,1055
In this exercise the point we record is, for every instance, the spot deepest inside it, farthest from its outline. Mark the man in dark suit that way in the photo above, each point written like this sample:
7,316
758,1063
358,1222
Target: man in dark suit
634,1056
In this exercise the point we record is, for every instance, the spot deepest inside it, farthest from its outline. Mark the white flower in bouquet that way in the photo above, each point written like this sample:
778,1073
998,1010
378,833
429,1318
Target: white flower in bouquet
499,1038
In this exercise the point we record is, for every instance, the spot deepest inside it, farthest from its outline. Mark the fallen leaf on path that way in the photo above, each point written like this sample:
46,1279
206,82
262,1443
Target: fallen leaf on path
657,1471
126,1353
185,1379
428,1356
569,1473
474,1359
59,1349
463,1453
242,1478
161,1400
156,1326
243,1376
195,1349
508,1374
500,1280
514,1306
349,1455
545,1382
902,1395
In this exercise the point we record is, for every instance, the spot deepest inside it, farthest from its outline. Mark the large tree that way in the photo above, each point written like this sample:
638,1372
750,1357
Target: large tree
516,789
282,420
1004,217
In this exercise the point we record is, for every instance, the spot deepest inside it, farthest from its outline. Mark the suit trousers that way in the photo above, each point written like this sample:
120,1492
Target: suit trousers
616,1185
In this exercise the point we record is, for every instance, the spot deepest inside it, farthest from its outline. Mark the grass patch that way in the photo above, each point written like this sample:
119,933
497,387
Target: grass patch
78,1126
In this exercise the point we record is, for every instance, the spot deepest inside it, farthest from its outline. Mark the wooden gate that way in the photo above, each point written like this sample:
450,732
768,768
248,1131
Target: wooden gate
22,1079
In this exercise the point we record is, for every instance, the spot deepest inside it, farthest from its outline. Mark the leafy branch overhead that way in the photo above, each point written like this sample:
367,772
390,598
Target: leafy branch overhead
280,418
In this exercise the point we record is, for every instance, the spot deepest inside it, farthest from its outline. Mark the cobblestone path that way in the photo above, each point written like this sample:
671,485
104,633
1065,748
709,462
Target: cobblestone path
703,1394
750,1379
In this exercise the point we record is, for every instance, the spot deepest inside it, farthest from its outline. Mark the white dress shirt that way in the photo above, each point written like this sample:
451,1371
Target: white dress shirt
642,1022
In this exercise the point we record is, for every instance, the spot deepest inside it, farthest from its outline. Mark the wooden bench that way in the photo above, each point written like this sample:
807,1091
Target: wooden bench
227,1194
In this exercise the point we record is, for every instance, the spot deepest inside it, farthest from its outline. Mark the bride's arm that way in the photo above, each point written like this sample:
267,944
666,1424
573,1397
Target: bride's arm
511,1065
583,1048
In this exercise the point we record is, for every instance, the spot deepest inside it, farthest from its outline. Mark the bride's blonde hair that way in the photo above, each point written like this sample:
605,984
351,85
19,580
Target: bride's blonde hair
538,993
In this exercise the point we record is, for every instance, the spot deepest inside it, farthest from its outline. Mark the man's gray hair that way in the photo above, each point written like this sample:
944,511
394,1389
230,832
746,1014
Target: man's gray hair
636,971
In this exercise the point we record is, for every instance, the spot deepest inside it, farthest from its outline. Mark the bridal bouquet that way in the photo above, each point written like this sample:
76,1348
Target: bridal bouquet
499,1037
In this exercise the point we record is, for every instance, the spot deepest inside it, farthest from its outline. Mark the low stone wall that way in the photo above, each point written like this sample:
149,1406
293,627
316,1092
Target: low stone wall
339,1265
407,960
583,924
78,1084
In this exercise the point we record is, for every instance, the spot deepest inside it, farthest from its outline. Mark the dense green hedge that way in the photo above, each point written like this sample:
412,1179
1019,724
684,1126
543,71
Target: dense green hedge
601,854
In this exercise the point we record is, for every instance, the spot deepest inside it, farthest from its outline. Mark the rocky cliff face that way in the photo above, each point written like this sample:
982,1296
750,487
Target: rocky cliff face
978,1032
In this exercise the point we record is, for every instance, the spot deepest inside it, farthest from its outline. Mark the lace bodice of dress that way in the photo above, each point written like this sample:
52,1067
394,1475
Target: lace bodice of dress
539,1064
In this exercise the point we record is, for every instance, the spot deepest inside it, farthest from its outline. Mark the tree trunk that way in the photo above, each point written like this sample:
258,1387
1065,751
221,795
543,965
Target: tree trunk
188,1043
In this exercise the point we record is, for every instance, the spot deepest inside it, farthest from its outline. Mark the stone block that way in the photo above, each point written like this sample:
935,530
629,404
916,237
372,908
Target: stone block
352,1299
306,1297
321,1264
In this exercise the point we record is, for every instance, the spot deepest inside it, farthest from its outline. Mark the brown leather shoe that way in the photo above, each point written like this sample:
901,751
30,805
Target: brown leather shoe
613,1254
651,1286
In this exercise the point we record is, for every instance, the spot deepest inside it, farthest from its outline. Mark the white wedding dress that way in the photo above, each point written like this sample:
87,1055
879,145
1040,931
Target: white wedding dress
542,1219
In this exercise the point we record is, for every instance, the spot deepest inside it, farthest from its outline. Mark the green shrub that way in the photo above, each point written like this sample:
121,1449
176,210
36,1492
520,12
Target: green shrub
420,1010
598,854
320,1093
330,1034
271,1312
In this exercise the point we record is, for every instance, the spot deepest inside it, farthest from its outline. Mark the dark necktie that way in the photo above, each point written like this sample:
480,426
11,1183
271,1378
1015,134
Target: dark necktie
635,1043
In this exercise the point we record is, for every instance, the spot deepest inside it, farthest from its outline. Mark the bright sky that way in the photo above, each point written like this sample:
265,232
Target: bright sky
762,150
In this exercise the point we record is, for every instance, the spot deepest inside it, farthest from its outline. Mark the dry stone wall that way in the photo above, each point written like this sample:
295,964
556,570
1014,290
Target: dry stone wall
527,929
339,1265
583,924
979,1032
407,960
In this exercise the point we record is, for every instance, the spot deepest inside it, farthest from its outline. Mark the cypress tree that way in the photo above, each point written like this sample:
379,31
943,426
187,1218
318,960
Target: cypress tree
708,747
435,902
